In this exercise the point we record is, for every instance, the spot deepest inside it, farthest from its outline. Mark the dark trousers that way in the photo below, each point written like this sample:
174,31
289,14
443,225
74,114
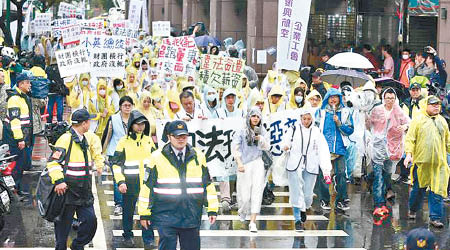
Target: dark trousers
340,182
52,100
189,238
86,231
129,205
23,162
416,196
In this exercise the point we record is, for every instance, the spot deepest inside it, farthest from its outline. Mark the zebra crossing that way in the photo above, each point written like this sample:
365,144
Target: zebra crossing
275,226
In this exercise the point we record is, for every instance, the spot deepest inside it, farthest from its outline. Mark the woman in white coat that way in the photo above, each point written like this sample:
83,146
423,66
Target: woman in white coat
247,147
308,151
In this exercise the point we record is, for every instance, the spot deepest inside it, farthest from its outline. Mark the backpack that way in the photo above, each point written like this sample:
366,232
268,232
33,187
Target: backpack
39,87
49,203
53,131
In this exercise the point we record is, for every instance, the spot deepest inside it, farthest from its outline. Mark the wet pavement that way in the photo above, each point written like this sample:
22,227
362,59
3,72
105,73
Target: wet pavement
353,230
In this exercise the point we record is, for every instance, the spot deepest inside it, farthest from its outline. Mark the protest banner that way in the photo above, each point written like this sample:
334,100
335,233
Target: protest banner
161,28
67,10
57,24
145,27
222,72
42,23
134,13
213,137
108,62
93,42
70,34
293,17
125,31
91,24
72,61
178,55
118,23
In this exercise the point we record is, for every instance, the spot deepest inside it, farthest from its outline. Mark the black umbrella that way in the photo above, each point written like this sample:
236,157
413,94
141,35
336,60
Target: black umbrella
386,82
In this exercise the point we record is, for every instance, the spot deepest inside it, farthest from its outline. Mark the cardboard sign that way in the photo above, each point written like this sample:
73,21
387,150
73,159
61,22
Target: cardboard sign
67,10
222,72
70,34
161,28
42,23
108,62
72,61
178,55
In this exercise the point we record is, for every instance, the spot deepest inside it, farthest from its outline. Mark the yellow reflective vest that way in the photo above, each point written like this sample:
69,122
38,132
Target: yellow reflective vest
173,194
19,118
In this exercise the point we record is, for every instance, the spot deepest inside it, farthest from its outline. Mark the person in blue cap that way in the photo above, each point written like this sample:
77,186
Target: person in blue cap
421,239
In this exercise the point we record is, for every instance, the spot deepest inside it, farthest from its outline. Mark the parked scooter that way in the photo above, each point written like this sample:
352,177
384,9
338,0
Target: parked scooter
7,164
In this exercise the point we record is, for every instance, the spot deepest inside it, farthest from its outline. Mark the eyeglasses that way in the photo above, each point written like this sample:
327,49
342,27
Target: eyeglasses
127,105
389,98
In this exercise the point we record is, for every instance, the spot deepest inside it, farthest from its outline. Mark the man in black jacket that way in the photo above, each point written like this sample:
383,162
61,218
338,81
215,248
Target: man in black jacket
57,92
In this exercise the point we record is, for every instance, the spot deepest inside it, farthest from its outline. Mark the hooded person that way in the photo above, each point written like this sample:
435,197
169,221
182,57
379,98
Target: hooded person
158,99
173,105
426,147
275,101
117,92
296,96
184,84
133,84
143,72
135,62
244,92
308,154
210,105
81,93
387,124
255,99
313,100
247,148
38,63
230,105
336,123
272,79
131,157
145,107
101,105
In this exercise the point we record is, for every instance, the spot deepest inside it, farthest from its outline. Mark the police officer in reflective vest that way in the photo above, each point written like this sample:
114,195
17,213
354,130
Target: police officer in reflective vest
133,153
176,186
70,170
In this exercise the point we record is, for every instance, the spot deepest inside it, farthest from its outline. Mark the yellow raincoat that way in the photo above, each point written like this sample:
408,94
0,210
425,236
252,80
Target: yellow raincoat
255,96
428,141
133,85
269,107
147,112
98,106
172,96
157,93
292,103
80,95
311,95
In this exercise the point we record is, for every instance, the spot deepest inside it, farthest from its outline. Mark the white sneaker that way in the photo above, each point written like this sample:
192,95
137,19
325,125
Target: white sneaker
242,217
117,210
252,227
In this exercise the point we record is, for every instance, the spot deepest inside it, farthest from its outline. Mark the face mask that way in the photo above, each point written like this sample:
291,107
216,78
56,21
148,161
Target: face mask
167,79
405,57
119,87
102,92
85,83
253,85
298,99
211,98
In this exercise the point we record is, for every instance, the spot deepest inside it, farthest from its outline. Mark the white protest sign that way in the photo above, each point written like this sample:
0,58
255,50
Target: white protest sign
93,42
72,61
66,10
221,72
134,13
213,137
57,24
108,62
293,17
118,23
178,55
261,57
92,24
42,22
145,17
127,32
161,28
70,34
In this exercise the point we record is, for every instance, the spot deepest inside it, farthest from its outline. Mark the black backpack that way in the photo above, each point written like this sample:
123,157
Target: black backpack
49,203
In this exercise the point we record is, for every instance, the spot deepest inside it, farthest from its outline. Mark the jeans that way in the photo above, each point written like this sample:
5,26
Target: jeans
340,182
129,205
189,238
23,162
435,201
118,199
382,178
301,187
86,231
52,100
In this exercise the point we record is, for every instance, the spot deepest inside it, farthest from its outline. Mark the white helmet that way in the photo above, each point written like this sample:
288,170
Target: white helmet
7,51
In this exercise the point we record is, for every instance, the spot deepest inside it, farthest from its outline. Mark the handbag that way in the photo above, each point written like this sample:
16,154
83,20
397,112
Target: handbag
267,159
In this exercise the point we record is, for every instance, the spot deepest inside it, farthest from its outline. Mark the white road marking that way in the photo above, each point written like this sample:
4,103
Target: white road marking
99,241
274,205
236,217
110,192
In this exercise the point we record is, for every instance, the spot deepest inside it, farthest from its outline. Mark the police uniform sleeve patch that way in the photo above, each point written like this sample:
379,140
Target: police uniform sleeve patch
14,113
58,155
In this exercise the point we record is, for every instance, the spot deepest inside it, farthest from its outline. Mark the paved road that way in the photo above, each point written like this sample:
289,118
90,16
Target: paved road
353,230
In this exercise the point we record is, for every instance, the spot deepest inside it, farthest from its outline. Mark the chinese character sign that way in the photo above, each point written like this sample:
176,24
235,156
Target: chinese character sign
127,32
213,137
108,62
91,24
58,24
134,13
42,22
277,124
67,10
70,34
161,28
178,55
118,23
72,61
293,16
222,72
94,42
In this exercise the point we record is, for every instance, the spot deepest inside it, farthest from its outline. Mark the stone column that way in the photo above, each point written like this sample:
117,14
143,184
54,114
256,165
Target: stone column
215,24
443,36
187,13
173,13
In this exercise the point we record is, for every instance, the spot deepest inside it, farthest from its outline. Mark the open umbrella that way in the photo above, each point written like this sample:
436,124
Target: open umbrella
350,60
385,82
205,40
336,77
